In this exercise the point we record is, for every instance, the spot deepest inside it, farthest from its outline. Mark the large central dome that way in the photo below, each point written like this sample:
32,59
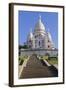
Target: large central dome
39,27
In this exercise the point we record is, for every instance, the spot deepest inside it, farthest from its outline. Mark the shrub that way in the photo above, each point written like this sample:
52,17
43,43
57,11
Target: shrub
21,62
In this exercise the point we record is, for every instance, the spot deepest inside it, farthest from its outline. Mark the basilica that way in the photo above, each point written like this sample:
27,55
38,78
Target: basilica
39,38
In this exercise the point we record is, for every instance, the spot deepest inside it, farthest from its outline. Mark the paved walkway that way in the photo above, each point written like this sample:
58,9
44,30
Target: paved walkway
35,68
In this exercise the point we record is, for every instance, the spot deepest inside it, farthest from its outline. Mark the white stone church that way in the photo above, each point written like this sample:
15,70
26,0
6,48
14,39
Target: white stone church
40,38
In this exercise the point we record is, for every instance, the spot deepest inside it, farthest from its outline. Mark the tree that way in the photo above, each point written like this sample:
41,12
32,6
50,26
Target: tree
23,46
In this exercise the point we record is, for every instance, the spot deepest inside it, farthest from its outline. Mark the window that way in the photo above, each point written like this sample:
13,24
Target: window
36,36
39,43
48,41
48,46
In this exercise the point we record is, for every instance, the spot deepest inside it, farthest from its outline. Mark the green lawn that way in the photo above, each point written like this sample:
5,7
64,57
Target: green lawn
53,60
22,58
43,57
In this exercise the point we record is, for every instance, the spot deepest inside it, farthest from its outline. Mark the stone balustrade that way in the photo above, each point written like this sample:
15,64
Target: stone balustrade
42,52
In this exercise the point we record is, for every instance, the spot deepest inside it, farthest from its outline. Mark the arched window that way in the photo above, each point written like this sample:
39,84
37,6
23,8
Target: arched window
48,46
48,41
39,43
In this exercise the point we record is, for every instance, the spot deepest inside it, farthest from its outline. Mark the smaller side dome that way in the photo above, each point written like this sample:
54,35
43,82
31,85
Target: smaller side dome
30,36
50,39
49,36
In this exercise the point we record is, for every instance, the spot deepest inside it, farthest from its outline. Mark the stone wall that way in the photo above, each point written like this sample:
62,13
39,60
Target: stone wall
43,52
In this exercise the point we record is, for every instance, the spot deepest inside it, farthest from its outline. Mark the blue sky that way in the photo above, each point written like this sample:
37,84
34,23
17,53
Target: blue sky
28,19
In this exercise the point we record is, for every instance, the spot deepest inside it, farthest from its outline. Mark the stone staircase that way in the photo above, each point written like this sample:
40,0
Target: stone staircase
35,69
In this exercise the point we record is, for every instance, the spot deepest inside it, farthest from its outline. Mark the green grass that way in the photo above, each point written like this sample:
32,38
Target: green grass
53,60
43,57
22,58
